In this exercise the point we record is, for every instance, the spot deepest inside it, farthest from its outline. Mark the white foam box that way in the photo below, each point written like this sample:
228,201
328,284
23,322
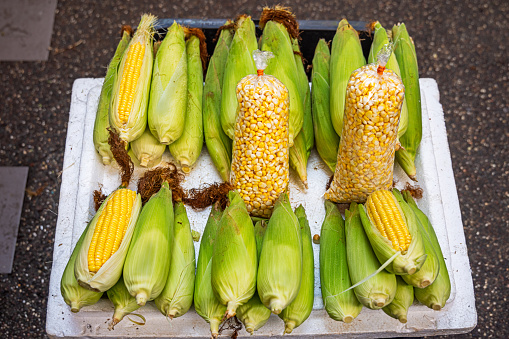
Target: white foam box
83,173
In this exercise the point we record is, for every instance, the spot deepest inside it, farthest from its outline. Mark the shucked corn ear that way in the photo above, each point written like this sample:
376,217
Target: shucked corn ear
130,96
404,298
234,261
123,302
177,295
326,138
300,308
168,93
334,276
391,226
75,295
379,290
101,257
346,57
253,314
147,149
238,64
205,302
148,260
219,145
280,266
102,121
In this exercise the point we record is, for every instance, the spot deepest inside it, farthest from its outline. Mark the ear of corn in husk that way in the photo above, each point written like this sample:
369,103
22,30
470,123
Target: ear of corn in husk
346,57
102,122
260,228
130,96
404,298
177,295
253,314
238,64
392,227
234,261
379,290
404,50
205,302
187,148
147,149
435,295
300,308
219,145
101,257
123,302
75,295
326,138
148,260
168,93
334,275
280,266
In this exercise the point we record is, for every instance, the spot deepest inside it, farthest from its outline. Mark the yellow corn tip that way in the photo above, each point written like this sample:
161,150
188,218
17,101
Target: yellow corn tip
130,76
110,228
260,149
366,152
388,219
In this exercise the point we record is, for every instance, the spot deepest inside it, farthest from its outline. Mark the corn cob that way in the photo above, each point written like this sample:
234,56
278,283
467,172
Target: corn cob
253,314
102,122
177,295
280,267
435,295
168,93
379,290
346,57
260,148
219,145
101,257
381,39
147,149
300,308
404,298
326,138
334,276
123,302
238,64
234,261
130,96
407,60
148,260
205,302
368,141
75,295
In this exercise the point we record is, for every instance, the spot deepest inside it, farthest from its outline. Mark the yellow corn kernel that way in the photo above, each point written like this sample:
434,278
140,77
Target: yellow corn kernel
129,80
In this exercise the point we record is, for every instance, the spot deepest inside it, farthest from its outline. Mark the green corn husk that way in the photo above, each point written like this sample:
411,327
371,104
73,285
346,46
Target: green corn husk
148,260
147,149
405,263
280,267
407,60
435,295
75,295
124,302
253,314
300,308
404,298
380,39
334,276
346,57
187,148
219,145
260,228
137,120
177,295
102,120
234,260
326,138
168,93
239,63
205,302
379,290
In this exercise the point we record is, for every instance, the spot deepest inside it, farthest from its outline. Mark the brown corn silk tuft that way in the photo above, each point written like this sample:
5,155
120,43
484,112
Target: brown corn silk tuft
415,191
150,183
189,31
229,26
327,185
119,151
282,15
99,197
200,198
126,28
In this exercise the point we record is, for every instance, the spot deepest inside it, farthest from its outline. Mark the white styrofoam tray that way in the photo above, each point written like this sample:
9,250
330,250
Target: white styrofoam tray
83,172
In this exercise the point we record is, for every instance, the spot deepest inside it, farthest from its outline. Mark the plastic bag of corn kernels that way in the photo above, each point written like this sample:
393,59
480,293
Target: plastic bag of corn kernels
368,142
260,147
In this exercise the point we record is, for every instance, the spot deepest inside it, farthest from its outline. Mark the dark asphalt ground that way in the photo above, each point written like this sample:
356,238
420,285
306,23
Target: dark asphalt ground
461,44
